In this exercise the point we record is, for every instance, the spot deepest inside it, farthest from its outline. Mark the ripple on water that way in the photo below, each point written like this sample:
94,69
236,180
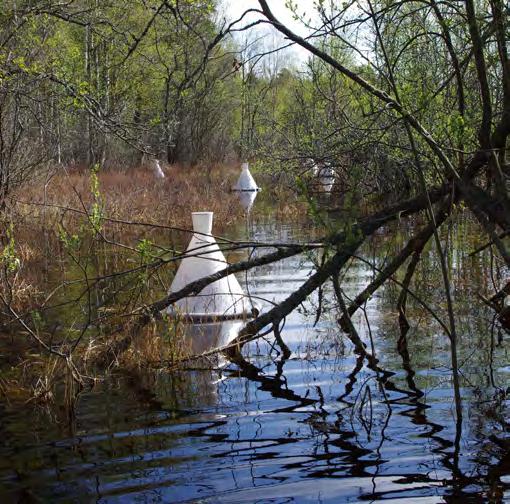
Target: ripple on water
317,427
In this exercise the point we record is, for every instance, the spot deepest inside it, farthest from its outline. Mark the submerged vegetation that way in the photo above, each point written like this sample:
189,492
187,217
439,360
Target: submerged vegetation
383,144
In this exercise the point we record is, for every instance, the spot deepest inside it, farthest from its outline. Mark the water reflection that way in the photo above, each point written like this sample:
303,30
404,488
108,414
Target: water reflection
203,338
313,425
247,199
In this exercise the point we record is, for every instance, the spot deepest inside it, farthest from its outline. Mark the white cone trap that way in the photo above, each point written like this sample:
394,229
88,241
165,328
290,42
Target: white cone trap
246,182
221,299
247,198
326,178
158,172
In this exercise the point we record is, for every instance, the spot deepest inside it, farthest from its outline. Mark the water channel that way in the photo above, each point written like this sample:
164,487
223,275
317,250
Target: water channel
313,427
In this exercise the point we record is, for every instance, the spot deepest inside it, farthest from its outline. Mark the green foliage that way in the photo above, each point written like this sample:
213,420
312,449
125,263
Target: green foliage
37,320
8,256
96,215
94,79
144,249
146,255
71,242
82,67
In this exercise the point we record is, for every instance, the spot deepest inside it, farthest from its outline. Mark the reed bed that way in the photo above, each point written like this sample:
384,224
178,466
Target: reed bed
69,233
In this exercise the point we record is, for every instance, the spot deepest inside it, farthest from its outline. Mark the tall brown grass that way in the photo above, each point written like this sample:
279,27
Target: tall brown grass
54,292
137,195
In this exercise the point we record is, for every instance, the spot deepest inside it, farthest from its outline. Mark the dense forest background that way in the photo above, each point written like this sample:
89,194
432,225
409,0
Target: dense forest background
86,82
105,82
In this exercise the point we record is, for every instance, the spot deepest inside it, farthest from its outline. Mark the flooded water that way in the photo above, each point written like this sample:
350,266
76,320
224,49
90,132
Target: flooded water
316,426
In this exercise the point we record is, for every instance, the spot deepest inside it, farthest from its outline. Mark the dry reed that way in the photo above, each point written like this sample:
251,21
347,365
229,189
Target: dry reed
62,253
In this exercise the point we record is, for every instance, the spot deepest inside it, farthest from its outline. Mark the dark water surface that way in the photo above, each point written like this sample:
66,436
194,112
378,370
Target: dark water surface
313,427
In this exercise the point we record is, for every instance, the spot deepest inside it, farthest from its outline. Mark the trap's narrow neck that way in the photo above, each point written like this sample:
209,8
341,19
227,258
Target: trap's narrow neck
202,222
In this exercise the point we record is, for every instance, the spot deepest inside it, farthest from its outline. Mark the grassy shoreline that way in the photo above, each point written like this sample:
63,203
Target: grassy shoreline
79,251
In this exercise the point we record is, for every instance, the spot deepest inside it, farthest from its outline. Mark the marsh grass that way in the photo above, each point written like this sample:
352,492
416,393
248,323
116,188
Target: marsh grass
82,247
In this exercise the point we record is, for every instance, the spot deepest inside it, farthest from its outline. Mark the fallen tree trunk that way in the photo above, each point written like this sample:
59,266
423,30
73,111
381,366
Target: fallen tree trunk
346,241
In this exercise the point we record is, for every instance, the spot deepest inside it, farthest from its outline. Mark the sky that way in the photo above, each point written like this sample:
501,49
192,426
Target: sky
233,9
